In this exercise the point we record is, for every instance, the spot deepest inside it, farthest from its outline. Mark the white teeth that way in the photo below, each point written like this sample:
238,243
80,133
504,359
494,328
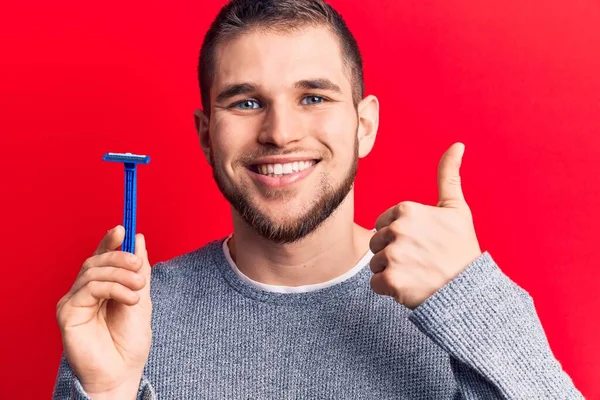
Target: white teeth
283,169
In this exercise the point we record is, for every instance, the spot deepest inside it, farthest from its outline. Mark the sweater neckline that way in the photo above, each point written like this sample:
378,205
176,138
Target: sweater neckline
295,289
332,293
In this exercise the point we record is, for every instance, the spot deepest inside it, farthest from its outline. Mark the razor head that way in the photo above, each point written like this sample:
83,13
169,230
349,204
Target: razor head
126,158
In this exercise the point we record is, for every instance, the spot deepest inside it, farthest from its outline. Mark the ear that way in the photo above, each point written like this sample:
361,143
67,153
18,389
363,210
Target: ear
202,125
368,123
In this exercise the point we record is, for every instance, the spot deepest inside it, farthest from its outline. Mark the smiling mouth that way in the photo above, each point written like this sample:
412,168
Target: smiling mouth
279,170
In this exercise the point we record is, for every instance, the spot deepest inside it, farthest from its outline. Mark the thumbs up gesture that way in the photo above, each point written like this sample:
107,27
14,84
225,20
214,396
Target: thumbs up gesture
419,248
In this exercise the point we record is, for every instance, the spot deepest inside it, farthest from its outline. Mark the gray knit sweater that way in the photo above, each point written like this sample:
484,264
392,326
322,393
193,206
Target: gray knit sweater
217,337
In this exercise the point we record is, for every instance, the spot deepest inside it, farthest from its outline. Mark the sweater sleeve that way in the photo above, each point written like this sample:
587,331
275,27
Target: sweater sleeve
497,346
68,386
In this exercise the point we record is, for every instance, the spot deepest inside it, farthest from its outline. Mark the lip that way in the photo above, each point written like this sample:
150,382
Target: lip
284,180
281,160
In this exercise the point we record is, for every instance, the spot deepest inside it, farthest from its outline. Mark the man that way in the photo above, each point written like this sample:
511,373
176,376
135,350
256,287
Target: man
286,306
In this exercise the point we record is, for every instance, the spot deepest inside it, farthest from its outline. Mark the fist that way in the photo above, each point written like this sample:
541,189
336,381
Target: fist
419,248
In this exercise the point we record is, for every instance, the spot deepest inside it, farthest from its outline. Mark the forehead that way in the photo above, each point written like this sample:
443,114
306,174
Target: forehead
275,60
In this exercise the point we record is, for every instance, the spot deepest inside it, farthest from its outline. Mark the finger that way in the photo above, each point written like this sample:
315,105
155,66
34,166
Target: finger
450,191
145,271
112,240
380,283
378,241
378,262
404,208
400,253
120,259
386,218
94,292
129,279
383,237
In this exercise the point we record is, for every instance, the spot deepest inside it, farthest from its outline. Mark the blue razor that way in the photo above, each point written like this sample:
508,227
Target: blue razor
130,161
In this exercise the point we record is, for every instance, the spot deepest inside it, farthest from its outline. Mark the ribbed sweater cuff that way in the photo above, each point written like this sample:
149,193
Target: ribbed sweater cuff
145,391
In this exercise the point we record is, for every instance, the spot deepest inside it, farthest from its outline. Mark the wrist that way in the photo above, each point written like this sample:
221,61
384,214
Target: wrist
126,390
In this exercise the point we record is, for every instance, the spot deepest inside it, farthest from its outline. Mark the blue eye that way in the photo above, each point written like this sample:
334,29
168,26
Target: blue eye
308,100
247,105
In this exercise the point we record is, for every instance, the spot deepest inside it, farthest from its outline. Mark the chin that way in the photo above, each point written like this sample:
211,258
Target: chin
281,216
279,225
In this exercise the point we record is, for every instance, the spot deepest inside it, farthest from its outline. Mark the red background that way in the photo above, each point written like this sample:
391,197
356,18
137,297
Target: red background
517,82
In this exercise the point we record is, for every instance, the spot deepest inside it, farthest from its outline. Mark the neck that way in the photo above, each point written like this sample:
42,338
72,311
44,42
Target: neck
328,252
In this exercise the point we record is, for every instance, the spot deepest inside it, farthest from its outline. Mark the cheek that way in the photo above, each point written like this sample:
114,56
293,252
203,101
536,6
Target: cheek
337,130
229,136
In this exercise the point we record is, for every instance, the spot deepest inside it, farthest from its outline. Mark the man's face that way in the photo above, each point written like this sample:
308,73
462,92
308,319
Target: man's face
283,130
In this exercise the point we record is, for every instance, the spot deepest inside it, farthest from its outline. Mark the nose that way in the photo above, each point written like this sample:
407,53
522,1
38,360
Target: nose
282,126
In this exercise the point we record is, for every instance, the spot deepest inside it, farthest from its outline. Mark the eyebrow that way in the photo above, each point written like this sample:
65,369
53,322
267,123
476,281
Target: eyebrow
321,84
236,89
